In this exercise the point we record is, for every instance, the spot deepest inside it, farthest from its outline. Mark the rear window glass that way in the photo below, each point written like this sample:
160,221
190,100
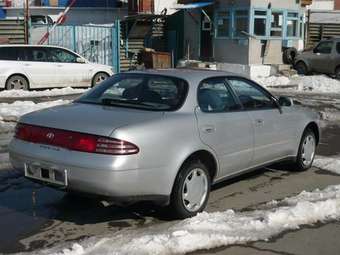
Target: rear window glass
12,53
142,91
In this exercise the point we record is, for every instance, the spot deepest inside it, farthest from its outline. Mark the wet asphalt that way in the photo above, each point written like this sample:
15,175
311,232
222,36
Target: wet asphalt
34,216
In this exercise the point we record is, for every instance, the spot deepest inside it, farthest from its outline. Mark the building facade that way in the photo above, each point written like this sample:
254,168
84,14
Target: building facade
247,32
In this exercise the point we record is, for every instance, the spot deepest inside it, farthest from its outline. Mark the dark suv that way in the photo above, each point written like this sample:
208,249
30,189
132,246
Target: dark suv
324,58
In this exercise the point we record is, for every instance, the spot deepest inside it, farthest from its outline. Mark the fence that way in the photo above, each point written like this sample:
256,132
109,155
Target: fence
318,31
12,31
97,43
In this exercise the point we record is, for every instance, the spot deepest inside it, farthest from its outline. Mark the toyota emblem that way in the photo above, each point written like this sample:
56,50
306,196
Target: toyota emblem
50,136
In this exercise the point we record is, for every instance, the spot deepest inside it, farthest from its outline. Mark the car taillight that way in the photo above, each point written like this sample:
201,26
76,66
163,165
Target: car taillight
74,140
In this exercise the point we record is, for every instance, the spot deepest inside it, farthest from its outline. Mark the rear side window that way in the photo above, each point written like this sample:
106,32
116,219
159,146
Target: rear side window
62,56
250,95
338,47
324,48
37,54
12,53
214,96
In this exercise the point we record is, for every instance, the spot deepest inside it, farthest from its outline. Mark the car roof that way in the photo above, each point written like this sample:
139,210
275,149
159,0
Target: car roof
189,74
32,46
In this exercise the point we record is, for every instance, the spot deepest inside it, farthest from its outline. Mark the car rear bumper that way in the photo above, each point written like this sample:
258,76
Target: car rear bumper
117,177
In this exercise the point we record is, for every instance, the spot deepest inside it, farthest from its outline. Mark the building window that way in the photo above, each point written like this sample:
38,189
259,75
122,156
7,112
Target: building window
302,28
292,24
276,24
241,23
260,23
223,24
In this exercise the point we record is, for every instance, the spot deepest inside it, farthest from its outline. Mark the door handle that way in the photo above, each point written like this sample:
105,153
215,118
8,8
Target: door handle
208,129
59,65
27,64
259,122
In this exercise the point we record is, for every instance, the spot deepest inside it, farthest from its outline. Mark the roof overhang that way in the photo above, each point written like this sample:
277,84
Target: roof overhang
191,6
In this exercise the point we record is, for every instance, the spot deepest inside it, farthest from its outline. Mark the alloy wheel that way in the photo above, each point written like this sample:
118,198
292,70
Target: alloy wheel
308,150
195,190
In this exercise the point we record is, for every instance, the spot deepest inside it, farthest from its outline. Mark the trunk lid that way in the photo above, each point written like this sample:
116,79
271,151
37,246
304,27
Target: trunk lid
88,118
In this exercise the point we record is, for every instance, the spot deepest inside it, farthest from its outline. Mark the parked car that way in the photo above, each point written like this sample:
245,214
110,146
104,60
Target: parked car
37,20
324,58
164,136
31,67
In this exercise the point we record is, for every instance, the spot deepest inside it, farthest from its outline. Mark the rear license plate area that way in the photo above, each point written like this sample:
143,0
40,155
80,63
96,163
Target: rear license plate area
46,174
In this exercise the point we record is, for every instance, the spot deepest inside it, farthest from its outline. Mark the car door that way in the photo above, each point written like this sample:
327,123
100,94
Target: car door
223,127
69,71
273,128
321,57
38,67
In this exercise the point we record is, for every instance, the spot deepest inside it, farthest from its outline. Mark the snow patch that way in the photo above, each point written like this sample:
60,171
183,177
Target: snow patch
329,164
12,112
211,230
42,93
4,161
313,83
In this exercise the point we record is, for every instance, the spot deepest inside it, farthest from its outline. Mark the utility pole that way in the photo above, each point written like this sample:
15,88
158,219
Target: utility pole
27,21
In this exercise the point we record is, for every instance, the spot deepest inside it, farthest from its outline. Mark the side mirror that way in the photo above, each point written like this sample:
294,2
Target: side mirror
286,101
81,61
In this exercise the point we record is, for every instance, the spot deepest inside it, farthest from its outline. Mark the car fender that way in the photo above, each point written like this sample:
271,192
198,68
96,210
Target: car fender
6,71
97,68
306,62
172,138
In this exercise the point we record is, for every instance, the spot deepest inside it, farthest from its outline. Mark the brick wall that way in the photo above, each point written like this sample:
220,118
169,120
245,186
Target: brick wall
336,4
141,6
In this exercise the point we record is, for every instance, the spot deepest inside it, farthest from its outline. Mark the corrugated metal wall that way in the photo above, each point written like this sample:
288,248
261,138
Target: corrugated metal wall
12,30
317,32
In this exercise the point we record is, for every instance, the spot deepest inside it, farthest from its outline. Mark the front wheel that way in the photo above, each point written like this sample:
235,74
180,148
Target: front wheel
306,153
301,68
191,190
99,78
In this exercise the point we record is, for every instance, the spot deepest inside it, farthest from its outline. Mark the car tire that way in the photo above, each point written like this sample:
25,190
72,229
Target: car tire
189,198
306,152
289,56
301,68
99,78
17,82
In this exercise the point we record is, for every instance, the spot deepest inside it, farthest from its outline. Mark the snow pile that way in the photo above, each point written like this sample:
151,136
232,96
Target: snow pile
313,83
330,164
207,231
211,230
317,83
12,112
4,161
6,127
330,115
42,93
273,81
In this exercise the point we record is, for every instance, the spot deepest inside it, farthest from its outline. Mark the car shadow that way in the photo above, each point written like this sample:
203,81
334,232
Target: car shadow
283,167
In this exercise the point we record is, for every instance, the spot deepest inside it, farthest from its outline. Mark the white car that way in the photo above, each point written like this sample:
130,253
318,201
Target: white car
36,66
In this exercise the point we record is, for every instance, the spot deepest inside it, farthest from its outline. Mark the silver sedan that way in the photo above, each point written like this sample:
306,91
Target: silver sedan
164,136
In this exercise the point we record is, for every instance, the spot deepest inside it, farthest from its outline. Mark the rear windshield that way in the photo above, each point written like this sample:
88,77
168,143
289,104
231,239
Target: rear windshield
141,91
